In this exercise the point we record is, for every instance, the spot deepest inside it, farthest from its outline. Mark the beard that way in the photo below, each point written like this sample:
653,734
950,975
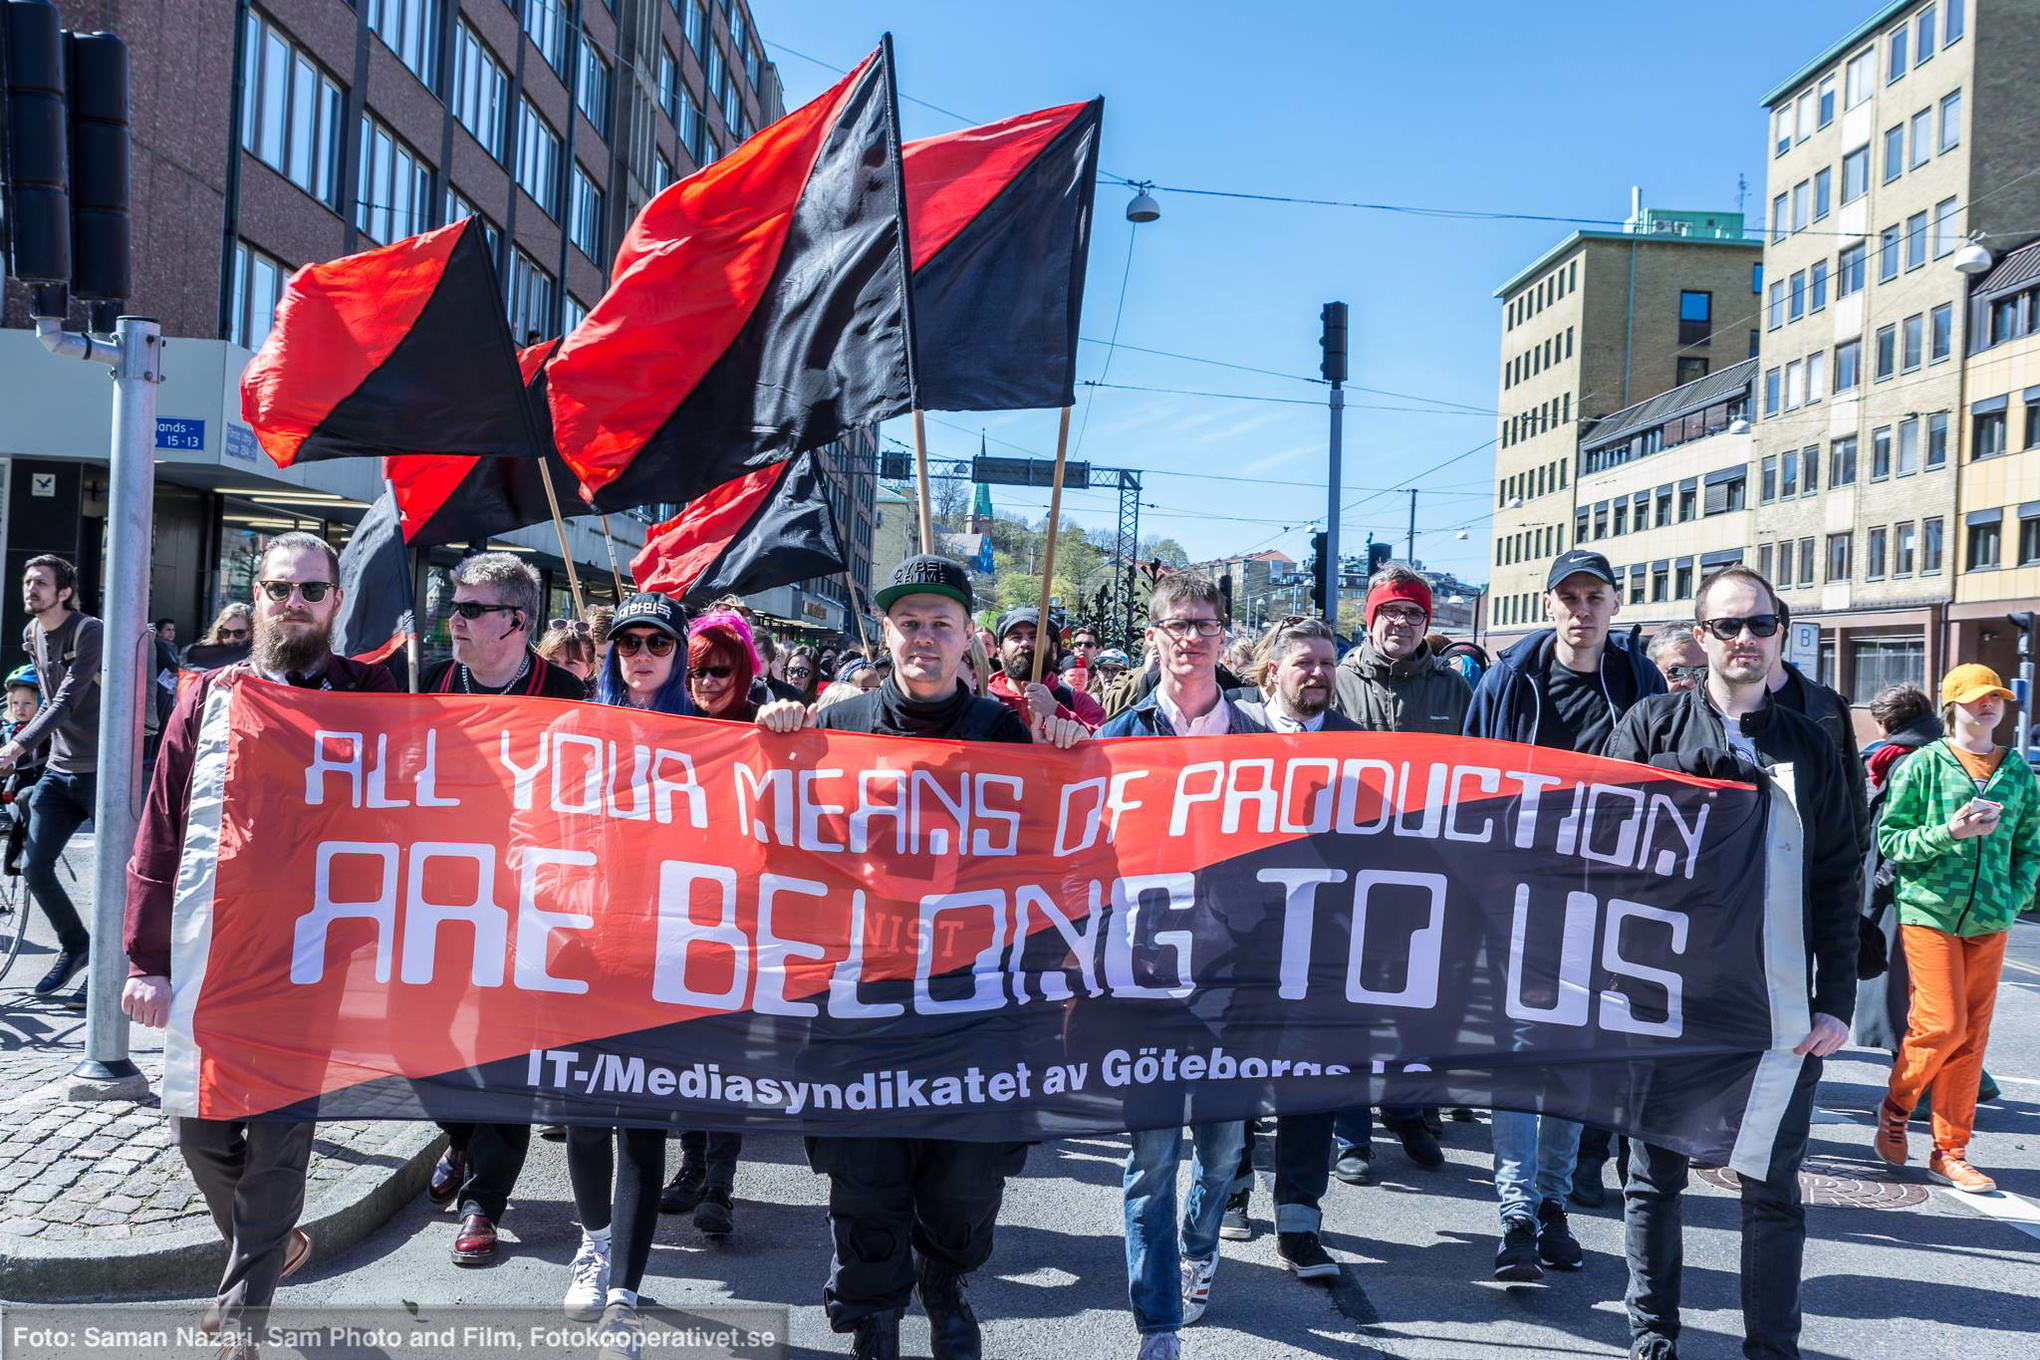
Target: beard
1018,663
281,652
1310,701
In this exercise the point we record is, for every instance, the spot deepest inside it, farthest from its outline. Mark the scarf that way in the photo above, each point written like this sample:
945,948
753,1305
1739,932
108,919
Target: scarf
901,714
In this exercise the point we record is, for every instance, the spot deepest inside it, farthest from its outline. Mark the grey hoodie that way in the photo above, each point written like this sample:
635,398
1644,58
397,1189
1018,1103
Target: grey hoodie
1420,693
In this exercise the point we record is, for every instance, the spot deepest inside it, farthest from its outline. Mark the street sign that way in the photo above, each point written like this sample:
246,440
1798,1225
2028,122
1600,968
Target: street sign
241,445
188,435
1803,649
896,467
1028,472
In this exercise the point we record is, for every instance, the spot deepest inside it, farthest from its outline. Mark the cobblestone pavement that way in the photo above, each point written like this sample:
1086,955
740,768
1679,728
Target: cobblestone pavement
103,1180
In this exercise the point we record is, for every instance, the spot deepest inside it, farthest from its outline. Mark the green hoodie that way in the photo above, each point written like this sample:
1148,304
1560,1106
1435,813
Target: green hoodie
1968,887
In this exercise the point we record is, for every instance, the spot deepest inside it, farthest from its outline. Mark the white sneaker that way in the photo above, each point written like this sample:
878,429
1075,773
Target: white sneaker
1197,1286
621,1339
590,1286
1161,1346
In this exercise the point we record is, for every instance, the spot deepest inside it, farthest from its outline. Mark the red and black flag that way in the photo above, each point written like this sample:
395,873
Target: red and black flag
1000,217
756,309
399,350
376,602
768,528
467,500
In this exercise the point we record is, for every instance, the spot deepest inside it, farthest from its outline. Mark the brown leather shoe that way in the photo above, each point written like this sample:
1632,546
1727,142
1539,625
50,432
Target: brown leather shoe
447,1175
1890,1140
296,1252
476,1244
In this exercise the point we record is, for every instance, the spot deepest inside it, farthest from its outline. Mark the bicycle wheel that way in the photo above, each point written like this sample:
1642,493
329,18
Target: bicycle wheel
13,921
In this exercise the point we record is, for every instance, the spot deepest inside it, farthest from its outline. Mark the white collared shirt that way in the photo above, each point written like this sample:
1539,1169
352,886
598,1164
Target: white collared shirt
1282,722
1216,723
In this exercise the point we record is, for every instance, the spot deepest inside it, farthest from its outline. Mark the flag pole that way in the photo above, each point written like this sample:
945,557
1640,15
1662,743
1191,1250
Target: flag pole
857,613
1043,630
921,475
411,578
894,145
614,574
552,499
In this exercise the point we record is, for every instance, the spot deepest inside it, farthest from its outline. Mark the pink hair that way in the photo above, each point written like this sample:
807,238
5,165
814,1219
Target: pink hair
732,623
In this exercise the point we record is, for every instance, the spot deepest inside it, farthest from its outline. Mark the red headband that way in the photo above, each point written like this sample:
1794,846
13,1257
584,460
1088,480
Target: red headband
1409,592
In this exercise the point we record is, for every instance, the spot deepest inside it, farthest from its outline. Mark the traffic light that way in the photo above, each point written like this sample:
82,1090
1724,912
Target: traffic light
35,167
99,171
2023,621
1333,365
1321,570
1225,593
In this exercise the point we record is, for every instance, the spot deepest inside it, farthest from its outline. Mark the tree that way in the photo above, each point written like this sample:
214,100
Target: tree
1167,549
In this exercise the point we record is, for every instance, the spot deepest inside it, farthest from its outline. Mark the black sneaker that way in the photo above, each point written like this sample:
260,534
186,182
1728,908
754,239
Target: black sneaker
953,1332
68,963
74,1001
552,1133
683,1192
1651,1346
878,1336
1236,1226
1432,1122
1517,1259
1354,1167
1419,1142
1460,1114
1588,1191
714,1215
1304,1255
1556,1246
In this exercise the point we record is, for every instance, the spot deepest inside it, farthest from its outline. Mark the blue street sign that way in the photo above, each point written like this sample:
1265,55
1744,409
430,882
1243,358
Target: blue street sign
180,434
241,445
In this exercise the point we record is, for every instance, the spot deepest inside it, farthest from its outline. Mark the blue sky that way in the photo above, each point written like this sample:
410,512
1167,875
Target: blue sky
1553,108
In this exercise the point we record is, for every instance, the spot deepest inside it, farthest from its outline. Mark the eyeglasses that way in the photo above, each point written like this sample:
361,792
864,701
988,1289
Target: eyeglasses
1184,629
1406,617
581,626
474,609
798,672
658,644
716,672
1685,672
1760,625
233,634
279,591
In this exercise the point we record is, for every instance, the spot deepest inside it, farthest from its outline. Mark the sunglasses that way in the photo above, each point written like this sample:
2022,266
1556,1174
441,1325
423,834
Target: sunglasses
233,634
802,672
474,609
715,672
580,626
279,591
1685,672
1760,625
658,644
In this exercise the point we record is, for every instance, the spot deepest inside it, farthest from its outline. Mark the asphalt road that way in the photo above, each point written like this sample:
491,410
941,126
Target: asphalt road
1944,1276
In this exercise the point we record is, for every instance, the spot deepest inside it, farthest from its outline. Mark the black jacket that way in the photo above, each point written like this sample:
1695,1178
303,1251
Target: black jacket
1509,705
1685,724
1804,695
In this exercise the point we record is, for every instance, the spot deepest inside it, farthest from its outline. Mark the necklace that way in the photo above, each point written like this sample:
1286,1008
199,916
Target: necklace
467,685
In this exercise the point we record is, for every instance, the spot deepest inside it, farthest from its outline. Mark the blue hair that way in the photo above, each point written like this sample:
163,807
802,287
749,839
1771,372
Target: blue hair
671,698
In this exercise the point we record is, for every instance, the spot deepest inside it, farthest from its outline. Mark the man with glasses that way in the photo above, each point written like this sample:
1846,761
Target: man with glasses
1564,687
495,603
1392,683
1730,727
1678,657
1169,1276
251,1172
64,644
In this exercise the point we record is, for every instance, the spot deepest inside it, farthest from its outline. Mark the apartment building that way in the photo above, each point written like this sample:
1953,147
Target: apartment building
1594,325
1912,132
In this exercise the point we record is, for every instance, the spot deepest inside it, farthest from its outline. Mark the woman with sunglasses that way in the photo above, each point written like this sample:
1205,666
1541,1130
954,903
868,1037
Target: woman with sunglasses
226,642
616,1173
802,672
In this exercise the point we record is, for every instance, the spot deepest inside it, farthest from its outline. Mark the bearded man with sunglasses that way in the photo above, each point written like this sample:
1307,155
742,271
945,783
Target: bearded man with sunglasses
251,1172
1732,727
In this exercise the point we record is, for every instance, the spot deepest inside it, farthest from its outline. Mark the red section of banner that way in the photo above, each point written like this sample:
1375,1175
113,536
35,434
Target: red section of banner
951,178
677,552
421,884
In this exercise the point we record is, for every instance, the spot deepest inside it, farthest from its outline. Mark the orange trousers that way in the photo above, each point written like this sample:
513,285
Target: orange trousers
1954,991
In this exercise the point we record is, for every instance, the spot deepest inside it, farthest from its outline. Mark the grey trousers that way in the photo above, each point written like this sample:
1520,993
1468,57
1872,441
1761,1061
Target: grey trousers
252,1175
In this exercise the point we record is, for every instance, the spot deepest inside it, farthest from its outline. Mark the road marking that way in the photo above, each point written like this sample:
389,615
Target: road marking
2016,1210
2016,1081
2022,967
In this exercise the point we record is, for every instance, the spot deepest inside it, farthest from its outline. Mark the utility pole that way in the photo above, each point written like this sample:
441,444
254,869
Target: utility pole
1410,553
1333,366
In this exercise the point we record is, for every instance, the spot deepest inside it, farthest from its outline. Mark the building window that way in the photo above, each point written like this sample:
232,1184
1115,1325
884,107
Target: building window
1880,453
1838,557
1827,101
1729,494
1689,503
1795,385
1941,332
1797,305
1930,546
291,116
1924,48
2029,539
1778,210
1664,506
1856,174
258,283
1696,316
1784,576
1894,152
1887,352
1883,662
573,314
1944,228
669,84
1621,519
662,171
1915,240
1987,438
530,299
538,158
1873,554
545,21
1809,461
409,28
1887,254
1954,28
395,188
1913,335
1856,78
1773,390
1767,488
1937,439
480,90
591,87
1951,121
1902,549
1908,446
1823,192
584,215
694,24
1690,368
1816,376
1802,205
1899,53
1842,462
692,126
1777,317
1684,583
1922,137
1849,271
1983,545
1817,286
456,207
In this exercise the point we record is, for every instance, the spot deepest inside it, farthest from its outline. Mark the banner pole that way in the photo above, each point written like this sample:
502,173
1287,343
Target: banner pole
614,574
560,525
921,474
1043,630
411,642
857,613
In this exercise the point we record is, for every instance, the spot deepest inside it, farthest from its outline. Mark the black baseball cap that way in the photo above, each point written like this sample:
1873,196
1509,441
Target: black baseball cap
649,609
1012,617
1577,561
927,574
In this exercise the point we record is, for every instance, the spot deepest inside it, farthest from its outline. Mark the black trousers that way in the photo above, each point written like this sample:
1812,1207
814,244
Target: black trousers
717,1151
630,1210
495,1158
252,1174
1773,1236
891,1198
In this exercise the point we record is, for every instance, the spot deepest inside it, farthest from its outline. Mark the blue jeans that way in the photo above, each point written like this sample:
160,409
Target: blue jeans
1534,1157
57,806
1153,1255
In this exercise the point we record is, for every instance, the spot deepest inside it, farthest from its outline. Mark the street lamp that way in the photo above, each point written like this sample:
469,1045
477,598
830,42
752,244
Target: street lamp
1143,208
1973,257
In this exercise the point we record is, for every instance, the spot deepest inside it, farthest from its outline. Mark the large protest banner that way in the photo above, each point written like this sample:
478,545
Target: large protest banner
403,907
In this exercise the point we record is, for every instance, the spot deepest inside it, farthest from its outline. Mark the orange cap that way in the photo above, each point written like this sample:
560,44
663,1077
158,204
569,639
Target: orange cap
1966,684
